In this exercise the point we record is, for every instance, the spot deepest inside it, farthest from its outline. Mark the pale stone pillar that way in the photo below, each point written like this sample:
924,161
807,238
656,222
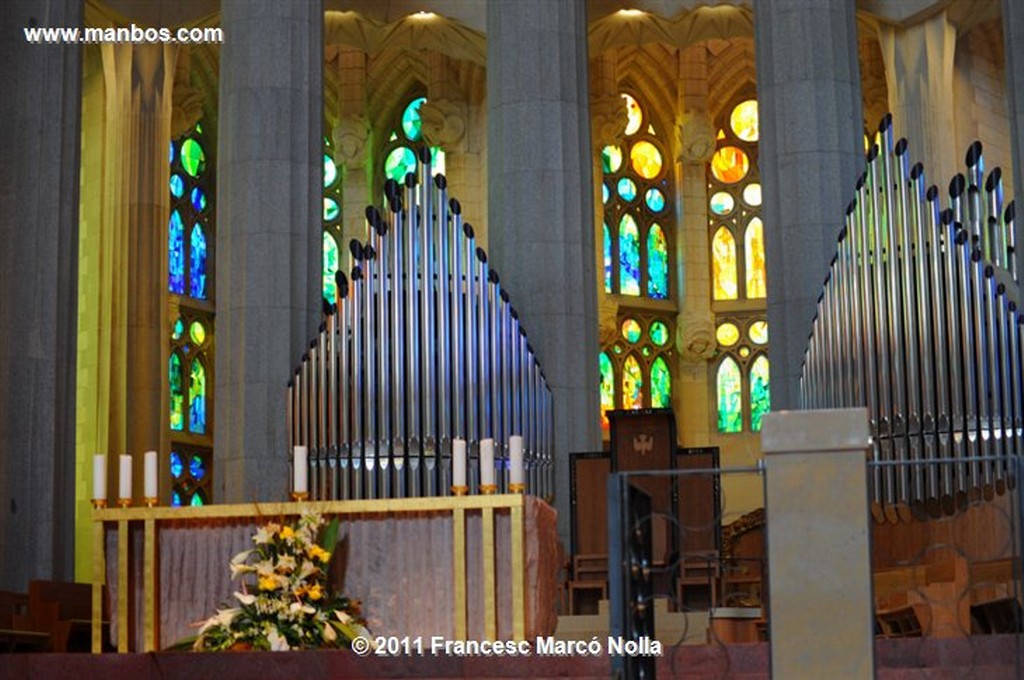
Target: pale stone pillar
811,150
819,560
1013,41
540,212
38,292
919,77
269,242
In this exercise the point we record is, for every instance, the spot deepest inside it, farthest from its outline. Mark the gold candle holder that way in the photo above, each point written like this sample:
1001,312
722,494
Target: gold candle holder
488,489
99,503
124,502
459,489
516,487
299,496
151,501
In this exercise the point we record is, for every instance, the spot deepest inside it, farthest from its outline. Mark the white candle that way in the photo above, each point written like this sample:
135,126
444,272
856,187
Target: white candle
515,455
487,461
124,479
99,476
149,476
300,473
458,462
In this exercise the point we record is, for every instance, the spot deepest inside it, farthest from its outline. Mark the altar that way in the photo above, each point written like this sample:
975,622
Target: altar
470,567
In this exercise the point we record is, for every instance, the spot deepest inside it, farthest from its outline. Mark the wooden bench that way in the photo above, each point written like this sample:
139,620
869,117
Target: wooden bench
63,611
15,635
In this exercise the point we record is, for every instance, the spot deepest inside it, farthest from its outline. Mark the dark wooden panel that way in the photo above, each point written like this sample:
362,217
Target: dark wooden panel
646,440
589,510
699,502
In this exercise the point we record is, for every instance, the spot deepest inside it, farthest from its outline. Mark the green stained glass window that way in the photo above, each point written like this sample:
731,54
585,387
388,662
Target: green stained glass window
730,389
330,266
411,122
629,256
178,329
607,387
197,263
437,160
632,384
197,499
607,259
331,210
177,186
197,331
198,198
400,162
657,263
176,254
197,398
754,250
193,158
655,200
646,159
634,115
760,396
176,380
722,203
611,159
723,254
661,384
627,189
330,171
631,330
659,333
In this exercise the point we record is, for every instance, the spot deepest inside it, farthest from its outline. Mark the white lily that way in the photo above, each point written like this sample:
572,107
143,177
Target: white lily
245,598
277,642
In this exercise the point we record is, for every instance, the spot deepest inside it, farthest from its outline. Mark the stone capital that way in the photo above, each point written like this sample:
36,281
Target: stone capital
608,118
351,137
444,123
695,137
695,337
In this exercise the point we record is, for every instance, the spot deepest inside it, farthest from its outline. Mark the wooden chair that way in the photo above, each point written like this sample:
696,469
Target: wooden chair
15,633
64,611
699,581
589,578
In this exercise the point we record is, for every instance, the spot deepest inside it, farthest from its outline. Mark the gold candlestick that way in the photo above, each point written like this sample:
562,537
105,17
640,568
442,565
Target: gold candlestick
124,502
488,489
516,487
99,503
459,489
299,496
151,501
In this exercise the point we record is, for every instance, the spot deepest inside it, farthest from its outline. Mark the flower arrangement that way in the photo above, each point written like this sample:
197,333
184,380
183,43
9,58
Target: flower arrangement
284,601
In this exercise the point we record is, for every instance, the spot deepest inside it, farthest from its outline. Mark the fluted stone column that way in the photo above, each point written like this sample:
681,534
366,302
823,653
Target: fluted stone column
38,291
1013,41
540,210
269,242
808,90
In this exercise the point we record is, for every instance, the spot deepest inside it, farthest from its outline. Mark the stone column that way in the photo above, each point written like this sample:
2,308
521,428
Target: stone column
1013,41
811,150
540,213
919,77
269,243
38,292
819,570
351,138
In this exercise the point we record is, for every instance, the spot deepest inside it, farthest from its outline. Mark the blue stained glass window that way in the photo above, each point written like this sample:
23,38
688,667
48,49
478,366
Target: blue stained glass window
604,193
607,259
197,398
175,500
176,467
655,200
197,467
657,263
627,189
197,263
330,171
170,153
176,254
629,256
411,119
177,185
198,198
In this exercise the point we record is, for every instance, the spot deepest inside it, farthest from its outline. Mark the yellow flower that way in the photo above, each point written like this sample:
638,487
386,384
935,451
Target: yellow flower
315,552
268,583
315,592
287,533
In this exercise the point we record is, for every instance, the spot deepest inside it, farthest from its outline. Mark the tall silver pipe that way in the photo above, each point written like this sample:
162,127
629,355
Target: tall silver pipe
382,349
471,337
484,347
427,321
443,334
414,352
358,456
457,322
398,282
369,351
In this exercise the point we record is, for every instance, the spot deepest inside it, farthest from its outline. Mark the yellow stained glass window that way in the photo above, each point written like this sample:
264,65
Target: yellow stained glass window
758,332
752,194
632,384
754,249
728,334
634,113
730,164
646,159
723,254
744,120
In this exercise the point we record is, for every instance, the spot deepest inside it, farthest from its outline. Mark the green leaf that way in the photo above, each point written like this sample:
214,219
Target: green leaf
330,539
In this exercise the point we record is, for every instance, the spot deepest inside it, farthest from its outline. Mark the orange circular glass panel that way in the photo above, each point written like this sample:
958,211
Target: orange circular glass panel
730,164
646,159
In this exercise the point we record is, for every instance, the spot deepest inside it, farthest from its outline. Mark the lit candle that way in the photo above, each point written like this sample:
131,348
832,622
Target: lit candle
149,475
515,455
487,461
458,462
99,476
124,479
300,474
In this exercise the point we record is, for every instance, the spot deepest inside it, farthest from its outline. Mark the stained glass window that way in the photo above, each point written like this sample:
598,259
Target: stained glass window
330,266
659,333
634,115
752,194
330,171
607,387
411,122
177,186
629,256
657,263
177,329
607,259
176,254
661,384
760,396
758,332
197,331
754,249
730,164
631,330
743,121
632,384
197,398
197,263
198,198
627,189
399,163
723,253
730,392
655,200
727,334
331,210
611,159
646,159
189,467
605,194
177,419
722,203
193,158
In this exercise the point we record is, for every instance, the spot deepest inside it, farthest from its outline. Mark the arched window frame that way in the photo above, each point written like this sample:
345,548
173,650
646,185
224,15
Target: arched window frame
745,352
646,351
332,223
